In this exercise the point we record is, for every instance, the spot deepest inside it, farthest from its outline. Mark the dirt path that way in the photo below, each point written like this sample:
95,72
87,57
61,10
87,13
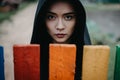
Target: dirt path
16,31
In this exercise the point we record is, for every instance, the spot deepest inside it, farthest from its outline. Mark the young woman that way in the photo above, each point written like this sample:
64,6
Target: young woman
61,22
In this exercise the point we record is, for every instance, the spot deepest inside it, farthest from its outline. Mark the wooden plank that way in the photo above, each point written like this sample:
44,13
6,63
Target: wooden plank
62,62
117,64
27,62
2,77
95,62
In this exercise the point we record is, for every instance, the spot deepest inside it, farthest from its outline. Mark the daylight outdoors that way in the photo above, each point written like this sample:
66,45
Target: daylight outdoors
16,24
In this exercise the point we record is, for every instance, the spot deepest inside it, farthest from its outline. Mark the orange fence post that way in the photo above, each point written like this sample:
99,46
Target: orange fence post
27,62
95,62
62,62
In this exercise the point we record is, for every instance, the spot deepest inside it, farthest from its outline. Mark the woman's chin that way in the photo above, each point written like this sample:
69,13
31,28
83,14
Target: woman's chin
60,42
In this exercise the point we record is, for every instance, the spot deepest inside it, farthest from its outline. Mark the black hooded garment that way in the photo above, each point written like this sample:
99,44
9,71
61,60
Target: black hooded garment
80,36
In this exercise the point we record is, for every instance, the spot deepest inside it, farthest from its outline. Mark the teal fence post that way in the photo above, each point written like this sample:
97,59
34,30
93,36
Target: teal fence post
1,64
117,64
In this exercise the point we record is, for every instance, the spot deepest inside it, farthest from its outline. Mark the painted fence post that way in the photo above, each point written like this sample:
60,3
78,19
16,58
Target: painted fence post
117,64
62,62
26,62
95,62
2,77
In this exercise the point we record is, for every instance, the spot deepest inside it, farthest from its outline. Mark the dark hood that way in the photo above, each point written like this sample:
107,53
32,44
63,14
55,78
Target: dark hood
38,22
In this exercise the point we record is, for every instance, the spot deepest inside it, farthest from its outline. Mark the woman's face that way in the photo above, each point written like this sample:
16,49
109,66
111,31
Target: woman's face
60,22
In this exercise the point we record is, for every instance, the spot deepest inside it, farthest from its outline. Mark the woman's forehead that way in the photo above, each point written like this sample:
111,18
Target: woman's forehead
61,6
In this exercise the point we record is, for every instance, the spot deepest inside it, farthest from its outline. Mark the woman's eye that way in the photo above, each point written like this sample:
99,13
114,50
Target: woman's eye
69,17
51,17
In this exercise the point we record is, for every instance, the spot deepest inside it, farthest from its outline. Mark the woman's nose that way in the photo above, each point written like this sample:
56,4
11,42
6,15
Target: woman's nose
60,25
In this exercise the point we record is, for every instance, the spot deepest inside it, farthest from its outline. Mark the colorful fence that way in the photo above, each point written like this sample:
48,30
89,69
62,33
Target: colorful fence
61,62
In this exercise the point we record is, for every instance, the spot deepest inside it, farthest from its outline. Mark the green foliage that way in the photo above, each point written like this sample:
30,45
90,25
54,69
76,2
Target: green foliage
94,31
4,16
98,37
7,15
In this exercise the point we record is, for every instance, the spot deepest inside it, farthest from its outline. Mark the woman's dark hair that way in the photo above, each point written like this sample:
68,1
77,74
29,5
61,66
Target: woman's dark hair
44,39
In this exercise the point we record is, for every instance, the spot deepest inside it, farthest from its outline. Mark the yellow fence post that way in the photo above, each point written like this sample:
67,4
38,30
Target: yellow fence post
95,62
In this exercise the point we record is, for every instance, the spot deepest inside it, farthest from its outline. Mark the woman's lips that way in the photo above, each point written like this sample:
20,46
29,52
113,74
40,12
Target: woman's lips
60,35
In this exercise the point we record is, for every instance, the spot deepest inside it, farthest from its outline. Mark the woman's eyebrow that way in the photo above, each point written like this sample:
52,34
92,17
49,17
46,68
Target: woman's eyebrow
64,13
51,13
69,13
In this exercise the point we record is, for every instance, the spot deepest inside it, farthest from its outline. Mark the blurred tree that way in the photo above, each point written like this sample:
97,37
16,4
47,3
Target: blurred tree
114,1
